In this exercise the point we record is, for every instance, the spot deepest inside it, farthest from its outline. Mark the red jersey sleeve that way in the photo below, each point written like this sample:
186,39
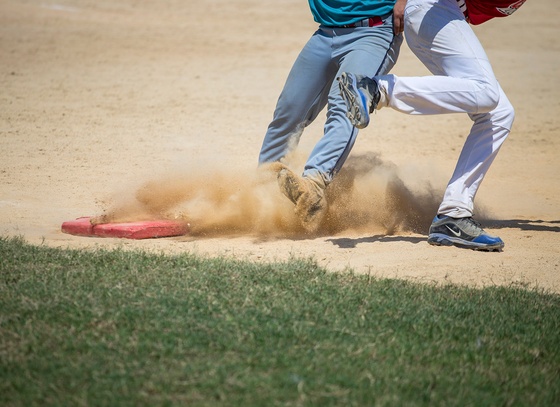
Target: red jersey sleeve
480,11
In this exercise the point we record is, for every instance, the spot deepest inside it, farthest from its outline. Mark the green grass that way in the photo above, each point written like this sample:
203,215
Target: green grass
121,328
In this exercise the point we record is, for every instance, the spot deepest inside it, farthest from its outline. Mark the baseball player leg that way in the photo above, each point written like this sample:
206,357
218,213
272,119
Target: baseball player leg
300,101
487,135
302,98
466,83
362,50
365,52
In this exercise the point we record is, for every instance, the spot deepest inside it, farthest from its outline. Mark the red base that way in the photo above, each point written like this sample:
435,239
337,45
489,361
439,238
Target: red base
129,230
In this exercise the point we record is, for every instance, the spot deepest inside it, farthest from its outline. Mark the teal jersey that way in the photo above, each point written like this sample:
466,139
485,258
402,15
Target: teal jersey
342,12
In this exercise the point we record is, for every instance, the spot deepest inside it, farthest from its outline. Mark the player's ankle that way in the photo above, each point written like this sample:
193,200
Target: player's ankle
383,95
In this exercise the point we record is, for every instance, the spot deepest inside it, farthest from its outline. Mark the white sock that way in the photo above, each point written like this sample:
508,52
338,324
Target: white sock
383,96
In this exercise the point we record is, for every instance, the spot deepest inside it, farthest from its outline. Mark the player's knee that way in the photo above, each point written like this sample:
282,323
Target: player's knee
507,114
504,114
490,98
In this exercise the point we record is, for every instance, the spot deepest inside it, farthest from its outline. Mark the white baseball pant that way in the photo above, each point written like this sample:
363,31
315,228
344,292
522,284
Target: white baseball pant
463,82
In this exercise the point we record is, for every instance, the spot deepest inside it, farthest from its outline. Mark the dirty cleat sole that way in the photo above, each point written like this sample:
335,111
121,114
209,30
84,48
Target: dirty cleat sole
356,102
289,184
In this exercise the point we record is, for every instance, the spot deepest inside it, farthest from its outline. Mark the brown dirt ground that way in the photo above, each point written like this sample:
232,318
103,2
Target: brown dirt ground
158,109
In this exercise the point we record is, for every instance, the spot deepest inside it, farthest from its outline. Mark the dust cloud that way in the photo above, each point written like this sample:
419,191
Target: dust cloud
368,195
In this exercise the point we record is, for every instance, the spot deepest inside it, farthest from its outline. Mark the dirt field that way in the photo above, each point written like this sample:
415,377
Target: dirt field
158,109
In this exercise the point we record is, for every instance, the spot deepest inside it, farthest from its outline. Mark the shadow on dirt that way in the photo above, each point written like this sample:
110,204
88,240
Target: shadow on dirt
524,224
349,243
521,224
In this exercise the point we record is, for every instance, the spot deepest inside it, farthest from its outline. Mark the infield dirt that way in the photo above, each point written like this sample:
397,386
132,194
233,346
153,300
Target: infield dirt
158,109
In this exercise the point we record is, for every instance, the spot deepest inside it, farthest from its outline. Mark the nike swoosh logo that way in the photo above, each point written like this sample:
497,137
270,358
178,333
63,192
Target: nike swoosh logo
458,234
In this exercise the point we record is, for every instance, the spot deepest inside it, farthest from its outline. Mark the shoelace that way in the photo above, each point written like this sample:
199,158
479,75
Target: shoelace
472,225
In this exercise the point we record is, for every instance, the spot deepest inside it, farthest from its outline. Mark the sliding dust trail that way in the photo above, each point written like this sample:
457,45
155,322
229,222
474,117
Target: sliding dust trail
368,196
